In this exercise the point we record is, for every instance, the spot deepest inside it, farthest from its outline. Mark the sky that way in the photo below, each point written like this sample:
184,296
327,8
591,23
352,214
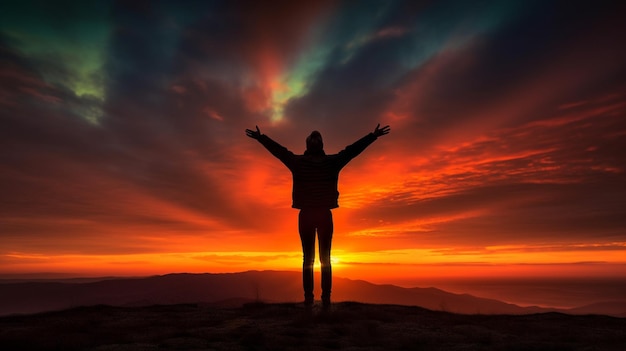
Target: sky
123,149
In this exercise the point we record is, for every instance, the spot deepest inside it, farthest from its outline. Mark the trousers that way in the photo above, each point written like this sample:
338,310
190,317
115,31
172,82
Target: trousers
311,221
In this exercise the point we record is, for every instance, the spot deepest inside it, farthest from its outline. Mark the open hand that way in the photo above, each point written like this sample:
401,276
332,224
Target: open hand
381,131
254,134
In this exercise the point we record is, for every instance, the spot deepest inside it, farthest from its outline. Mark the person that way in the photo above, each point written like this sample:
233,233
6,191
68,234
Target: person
314,193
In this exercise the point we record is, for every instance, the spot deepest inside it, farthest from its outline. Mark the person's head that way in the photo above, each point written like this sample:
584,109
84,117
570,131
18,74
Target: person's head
314,142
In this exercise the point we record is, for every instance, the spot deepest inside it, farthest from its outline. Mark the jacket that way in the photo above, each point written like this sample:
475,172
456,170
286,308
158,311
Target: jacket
315,175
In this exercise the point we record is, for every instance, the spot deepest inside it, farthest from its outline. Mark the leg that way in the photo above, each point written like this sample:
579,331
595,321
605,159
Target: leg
325,237
306,227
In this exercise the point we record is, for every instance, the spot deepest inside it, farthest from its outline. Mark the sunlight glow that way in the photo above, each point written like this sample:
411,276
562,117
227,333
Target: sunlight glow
379,263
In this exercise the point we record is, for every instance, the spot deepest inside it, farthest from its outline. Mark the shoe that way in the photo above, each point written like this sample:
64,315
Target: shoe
308,303
326,303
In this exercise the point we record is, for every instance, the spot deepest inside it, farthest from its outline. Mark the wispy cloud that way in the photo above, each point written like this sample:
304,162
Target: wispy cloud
123,135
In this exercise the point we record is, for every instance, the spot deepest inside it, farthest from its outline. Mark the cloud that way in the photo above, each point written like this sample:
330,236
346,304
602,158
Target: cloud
506,121
538,181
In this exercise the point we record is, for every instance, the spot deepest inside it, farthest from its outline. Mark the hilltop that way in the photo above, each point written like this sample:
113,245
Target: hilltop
288,326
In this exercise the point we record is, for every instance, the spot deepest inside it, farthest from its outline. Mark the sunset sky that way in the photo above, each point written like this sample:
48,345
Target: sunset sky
123,149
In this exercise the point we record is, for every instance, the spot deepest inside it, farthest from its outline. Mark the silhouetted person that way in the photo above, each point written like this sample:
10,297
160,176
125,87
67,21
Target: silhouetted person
315,176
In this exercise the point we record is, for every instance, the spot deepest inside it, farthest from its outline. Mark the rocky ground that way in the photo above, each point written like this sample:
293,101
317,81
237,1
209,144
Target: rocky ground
347,326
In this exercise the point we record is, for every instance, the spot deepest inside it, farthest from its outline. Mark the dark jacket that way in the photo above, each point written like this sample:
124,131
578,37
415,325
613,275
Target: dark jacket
315,175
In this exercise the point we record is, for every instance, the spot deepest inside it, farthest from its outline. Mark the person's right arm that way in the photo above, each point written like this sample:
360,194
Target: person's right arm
279,151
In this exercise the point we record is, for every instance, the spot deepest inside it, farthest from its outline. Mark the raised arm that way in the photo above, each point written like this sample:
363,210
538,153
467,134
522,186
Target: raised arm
254,134
380,131
279,151
352,151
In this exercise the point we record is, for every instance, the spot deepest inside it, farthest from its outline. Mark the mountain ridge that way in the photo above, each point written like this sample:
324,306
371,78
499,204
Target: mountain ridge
234,289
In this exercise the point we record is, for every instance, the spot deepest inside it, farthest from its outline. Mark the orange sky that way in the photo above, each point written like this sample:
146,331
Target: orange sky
124,150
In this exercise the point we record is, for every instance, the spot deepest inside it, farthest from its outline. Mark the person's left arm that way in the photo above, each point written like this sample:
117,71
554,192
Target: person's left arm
352,151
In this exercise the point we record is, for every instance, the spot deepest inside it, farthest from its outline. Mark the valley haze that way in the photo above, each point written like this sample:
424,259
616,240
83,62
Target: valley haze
39,293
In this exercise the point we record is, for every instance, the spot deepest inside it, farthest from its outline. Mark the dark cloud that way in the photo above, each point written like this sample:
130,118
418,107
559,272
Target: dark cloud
545,55
506,123
555,178
361,67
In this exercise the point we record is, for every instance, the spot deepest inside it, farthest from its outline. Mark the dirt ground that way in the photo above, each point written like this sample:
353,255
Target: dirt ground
346,326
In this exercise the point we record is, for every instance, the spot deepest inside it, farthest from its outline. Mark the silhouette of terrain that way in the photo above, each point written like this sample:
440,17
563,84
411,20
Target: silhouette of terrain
285,326
608,308
236,289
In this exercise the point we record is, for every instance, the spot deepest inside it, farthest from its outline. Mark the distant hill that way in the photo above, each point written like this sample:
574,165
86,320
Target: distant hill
611,308
234,289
